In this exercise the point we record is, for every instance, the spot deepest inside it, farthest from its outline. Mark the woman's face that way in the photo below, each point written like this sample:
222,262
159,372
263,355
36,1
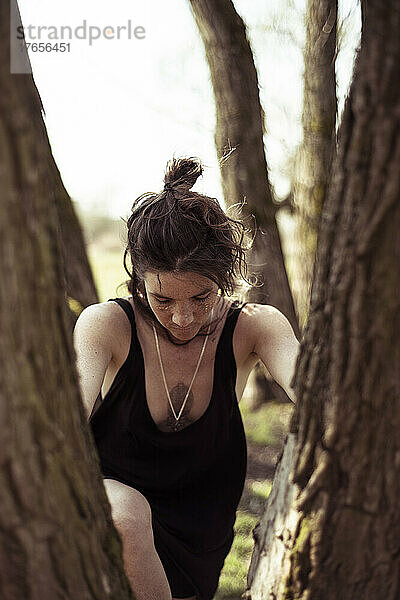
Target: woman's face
182,302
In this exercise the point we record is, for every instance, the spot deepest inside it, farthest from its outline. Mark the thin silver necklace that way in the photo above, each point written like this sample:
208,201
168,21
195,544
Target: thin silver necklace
177,417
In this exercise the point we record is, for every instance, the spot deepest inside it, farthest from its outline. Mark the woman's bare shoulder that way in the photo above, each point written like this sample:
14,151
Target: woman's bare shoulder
255,320
108,316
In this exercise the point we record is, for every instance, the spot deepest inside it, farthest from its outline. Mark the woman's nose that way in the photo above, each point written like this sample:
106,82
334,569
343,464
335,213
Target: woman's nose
182,317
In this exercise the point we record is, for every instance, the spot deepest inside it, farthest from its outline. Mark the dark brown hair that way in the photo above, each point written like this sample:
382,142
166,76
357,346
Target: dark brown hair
183,231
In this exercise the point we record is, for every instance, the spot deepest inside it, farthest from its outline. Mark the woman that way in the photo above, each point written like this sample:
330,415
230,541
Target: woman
168,365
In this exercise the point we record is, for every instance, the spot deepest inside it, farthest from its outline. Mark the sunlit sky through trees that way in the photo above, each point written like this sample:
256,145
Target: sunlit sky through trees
118,109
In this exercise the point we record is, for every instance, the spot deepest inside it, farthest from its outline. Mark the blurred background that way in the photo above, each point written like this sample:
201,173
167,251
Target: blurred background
117,110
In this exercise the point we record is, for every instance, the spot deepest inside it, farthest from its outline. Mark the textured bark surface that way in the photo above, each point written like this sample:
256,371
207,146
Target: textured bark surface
57,539
347,422
314,157
240,126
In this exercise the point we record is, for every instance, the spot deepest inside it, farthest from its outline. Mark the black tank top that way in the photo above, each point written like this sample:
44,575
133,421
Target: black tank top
192,478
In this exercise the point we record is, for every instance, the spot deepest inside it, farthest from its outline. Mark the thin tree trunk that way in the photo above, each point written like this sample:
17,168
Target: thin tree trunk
57,539
315,154
345,541
79,281
240,126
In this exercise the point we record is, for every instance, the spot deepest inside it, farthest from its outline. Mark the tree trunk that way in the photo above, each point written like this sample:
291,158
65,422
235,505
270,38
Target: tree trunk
79,282
268,570
345,541
315,154
57,538
240,126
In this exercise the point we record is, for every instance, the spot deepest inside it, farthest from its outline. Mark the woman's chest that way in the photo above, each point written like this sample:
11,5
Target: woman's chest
178,386
178,381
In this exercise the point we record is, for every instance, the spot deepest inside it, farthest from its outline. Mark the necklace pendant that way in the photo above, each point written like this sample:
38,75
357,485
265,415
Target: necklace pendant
177,426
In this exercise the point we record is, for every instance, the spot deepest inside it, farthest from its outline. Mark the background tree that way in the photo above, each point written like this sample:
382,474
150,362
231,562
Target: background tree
333,529
240,145
315,154
57,538
79,283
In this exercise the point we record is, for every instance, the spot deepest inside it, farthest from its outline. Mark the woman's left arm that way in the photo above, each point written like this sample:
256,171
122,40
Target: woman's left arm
275,344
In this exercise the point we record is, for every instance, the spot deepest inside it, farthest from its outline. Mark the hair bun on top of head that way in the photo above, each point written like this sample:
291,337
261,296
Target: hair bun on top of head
182,173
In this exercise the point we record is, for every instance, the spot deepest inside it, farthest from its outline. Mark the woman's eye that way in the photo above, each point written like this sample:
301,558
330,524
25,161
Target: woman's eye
197,299
202,298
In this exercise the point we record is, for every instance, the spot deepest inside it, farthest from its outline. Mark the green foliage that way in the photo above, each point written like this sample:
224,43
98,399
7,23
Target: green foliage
232,582
261,489
267,425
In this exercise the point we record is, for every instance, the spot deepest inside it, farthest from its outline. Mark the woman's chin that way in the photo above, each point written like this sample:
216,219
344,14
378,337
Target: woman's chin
183,335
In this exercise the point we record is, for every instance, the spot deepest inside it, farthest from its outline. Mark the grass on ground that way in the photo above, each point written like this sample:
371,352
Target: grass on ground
266,430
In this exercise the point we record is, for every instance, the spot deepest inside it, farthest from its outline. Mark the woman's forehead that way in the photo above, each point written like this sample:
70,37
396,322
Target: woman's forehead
176,284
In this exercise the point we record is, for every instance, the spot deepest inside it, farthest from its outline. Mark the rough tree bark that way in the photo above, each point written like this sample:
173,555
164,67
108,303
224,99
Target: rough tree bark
344,540
57,538
240,126
315,154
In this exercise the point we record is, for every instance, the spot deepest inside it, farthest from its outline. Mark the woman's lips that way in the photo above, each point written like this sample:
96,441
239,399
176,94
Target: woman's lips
183,330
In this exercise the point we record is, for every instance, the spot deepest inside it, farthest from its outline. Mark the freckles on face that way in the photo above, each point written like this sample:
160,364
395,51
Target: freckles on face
180,301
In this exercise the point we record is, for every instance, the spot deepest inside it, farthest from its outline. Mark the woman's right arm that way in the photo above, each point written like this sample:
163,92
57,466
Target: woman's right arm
93,349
